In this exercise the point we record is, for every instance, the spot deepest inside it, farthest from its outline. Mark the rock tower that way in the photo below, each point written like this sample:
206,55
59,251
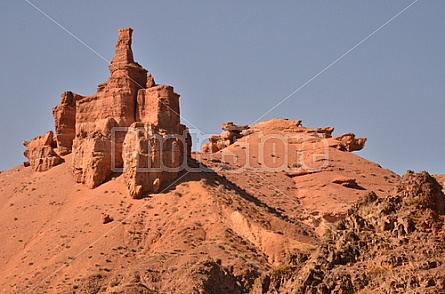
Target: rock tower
130,125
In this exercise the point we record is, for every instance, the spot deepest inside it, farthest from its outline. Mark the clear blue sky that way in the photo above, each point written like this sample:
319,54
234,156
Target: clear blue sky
235,60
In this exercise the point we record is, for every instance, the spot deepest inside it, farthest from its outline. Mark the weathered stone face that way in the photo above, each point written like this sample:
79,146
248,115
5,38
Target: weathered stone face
124,54
40,152
113,105
159,106
65,122
130,123
231,132
92,160
152,157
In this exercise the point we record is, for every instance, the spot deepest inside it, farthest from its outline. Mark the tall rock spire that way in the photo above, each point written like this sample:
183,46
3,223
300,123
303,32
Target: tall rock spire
124,54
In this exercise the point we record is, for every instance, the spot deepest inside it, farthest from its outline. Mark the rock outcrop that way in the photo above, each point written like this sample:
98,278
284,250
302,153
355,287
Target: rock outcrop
65,122
155,146
384,245
347,142
97,117
40,152
231,132
128,107
422,190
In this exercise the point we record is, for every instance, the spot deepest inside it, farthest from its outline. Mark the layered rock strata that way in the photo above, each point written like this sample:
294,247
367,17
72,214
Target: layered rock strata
130,124
232,132
40,153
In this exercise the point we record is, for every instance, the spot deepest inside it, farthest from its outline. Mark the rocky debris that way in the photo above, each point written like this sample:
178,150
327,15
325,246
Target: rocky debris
40,153
422,190
231,132
106,219
95,127
384,245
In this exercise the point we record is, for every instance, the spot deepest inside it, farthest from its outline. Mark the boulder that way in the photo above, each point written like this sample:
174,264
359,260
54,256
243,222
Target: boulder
42,158
230,126
347,142
325,132
43,140
40,153
106,218
231,132
421,190
346,182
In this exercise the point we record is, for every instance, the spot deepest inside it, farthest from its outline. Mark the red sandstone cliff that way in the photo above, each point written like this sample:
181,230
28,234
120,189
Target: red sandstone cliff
104,131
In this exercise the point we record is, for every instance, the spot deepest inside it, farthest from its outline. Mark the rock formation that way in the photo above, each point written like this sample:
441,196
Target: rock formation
65,122
348,142
128,107
384,245
40,152
114,105
229,135
231,132
153,142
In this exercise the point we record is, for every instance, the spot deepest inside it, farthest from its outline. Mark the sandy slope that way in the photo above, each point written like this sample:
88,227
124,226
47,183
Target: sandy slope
251,208
295,174
55,241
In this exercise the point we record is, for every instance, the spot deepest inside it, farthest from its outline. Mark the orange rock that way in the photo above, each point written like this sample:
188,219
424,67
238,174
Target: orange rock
44,140
65,121
231,132
92,160
40,153
94,127
348,142
42,158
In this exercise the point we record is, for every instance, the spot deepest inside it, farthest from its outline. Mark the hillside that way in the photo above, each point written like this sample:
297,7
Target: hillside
201,229
218,231
115,201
